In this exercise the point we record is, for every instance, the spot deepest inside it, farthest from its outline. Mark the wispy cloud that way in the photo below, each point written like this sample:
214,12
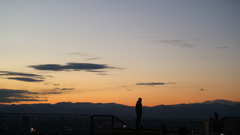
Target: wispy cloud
128,87
222,47
8,73
78,53
67,89
16,95
89,67
26,77
52,92
202,89
101,74
63,89
93,58
89,56
154,83
175,42
10,95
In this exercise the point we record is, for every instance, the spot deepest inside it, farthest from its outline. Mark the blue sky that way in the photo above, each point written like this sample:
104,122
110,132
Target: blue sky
193,45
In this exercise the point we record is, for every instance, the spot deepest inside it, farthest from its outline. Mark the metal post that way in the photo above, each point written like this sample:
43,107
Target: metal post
91,125
112,122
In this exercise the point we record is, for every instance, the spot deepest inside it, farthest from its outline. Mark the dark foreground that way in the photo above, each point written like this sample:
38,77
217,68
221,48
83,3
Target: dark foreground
74,124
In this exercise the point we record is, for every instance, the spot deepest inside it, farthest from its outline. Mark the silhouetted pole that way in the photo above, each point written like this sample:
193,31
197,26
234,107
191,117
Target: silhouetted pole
112,122
91,125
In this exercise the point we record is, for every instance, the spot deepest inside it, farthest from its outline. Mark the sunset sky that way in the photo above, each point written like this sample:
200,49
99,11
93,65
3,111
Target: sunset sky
102,51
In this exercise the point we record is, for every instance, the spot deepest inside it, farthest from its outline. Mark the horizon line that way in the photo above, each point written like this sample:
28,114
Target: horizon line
206,102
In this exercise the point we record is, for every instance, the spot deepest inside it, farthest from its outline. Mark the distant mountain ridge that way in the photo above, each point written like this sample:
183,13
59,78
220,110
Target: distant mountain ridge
221,101
184,111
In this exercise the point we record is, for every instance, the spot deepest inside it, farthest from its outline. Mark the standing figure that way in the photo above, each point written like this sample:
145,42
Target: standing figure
216,118
182,130
138,112
163,129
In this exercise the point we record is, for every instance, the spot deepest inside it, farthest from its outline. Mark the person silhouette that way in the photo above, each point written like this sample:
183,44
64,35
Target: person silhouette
182,130
216,117
163,129
138,108
217,124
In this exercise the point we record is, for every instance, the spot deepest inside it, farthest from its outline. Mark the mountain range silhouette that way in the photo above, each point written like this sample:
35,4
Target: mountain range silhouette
202,110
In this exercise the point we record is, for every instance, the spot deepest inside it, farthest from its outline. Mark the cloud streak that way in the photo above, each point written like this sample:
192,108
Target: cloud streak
78,53
25,77
63,89
52,92
154,83
67,89
9,96
16,95
93,58
8,73
178,43
202,89
90,67
222,47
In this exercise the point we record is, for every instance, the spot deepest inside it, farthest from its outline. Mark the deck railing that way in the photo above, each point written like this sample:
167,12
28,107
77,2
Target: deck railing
75,124
58,124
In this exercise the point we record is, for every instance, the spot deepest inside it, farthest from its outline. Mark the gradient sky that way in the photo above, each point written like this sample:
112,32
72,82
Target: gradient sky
165,51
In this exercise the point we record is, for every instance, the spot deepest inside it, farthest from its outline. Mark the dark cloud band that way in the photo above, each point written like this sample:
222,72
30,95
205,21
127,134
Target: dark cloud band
10,95
15,95
154,83
24,79
71,66
63,89
8,73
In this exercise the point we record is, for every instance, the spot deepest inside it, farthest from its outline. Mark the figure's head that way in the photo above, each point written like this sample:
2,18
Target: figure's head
140,99
216,115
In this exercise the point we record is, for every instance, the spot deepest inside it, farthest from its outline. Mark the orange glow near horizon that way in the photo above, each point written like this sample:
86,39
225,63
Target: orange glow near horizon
151,95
